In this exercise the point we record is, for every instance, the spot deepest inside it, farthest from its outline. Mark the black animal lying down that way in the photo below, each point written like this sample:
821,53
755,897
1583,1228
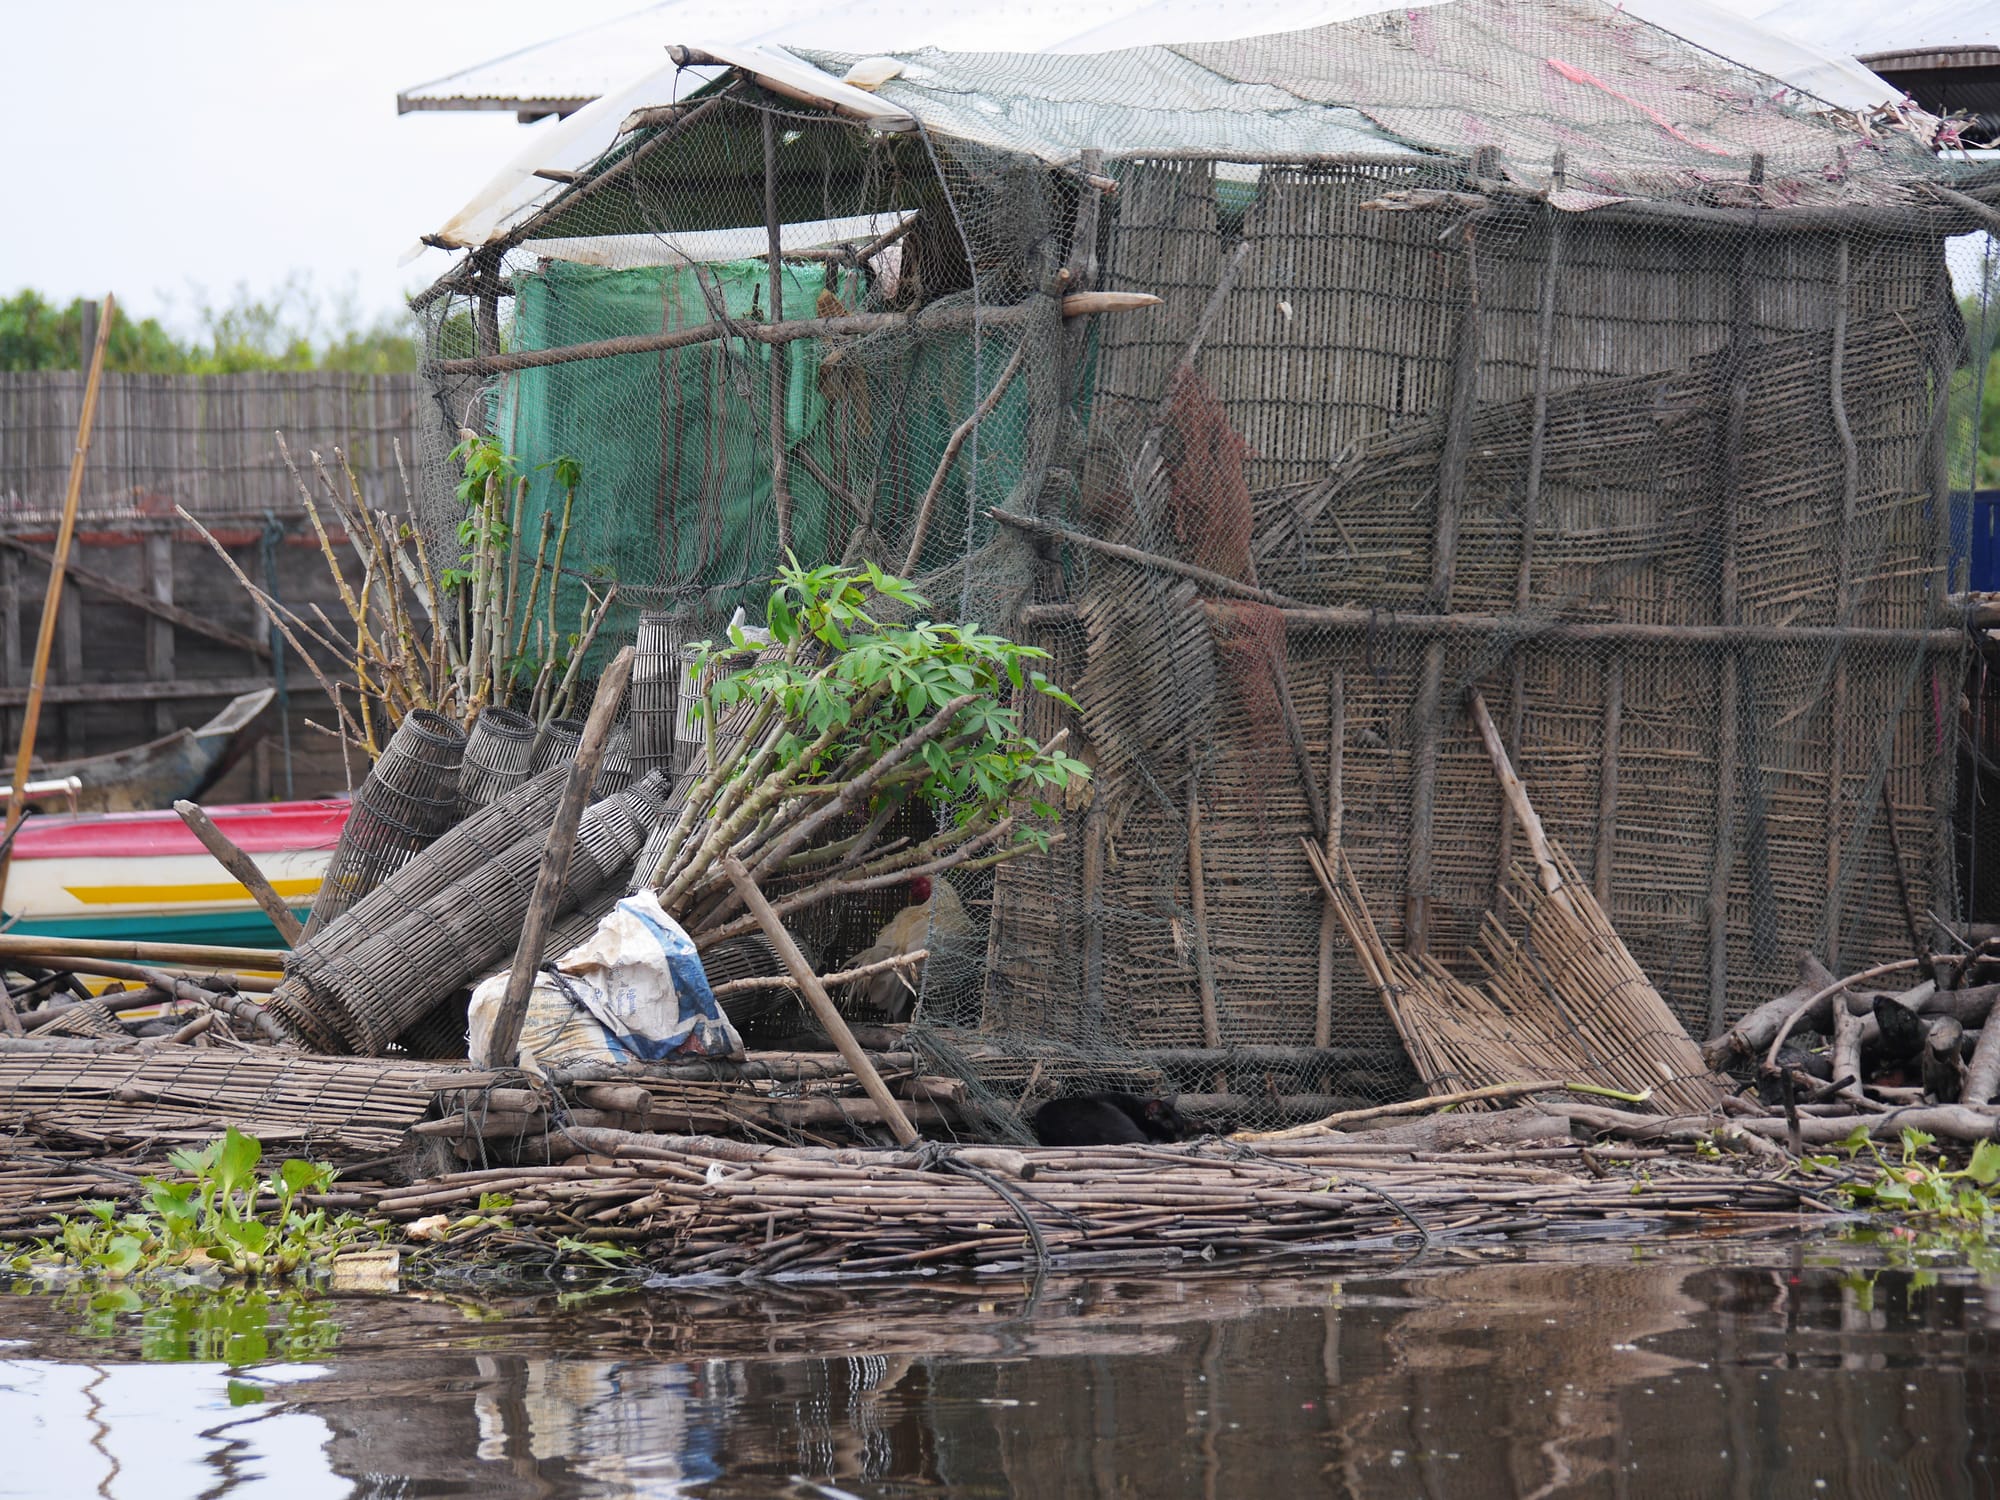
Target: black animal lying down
1109,1120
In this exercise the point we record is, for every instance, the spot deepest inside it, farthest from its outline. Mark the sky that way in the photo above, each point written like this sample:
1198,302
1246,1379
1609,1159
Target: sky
151,145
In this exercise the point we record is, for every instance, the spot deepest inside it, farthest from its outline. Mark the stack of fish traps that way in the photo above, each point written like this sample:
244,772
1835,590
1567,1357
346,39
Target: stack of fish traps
407,800
498,757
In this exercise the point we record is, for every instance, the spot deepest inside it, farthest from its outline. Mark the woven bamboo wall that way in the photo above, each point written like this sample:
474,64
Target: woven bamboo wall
1643,502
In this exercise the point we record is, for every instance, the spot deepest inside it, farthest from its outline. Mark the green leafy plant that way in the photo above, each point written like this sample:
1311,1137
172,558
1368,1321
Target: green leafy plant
1919,1186
849,712
216,1218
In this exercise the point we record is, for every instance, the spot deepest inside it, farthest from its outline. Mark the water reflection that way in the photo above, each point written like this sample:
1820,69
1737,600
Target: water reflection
1737,1373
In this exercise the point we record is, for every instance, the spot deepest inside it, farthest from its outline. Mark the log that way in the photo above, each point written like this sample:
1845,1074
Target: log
239,864
1751,1035
111,588
1982,1074
1953,1122
823,1007
1846,1049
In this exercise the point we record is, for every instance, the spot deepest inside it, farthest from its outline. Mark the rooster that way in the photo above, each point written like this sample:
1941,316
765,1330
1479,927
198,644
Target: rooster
934,912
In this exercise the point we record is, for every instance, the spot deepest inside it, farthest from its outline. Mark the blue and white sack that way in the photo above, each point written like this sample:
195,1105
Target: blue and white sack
634,992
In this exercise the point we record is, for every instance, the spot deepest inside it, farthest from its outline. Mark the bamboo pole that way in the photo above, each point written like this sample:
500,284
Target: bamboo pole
1607,779
957,440
1336,739
781,364
505,1044
182,955
52,601
239,864
823,1007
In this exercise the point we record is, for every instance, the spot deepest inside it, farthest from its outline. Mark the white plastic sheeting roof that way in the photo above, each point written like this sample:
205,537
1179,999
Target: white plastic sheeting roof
1864,28
566,147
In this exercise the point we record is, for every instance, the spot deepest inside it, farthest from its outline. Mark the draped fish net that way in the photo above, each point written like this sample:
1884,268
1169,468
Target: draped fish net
1521,349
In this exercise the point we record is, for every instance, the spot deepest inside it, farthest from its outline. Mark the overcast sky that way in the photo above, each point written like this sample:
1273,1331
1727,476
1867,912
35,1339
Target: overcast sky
222,141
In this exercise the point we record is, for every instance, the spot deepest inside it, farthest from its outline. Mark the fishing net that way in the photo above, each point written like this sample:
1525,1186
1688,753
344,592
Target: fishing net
1528,350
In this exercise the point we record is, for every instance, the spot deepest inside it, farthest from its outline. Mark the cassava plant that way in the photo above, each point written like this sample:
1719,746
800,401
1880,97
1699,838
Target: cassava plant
842,719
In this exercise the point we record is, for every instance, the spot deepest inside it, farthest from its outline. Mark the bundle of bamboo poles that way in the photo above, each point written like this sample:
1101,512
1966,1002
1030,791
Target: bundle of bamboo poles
341,1107
482,630
700,1206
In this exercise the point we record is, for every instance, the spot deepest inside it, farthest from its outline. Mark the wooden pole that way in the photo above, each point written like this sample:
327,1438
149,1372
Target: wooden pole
239,864
505,1045
781,364
821,1003
52,601
1336,740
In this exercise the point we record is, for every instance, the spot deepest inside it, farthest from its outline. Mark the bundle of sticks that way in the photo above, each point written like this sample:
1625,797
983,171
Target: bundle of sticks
700,1206
482,629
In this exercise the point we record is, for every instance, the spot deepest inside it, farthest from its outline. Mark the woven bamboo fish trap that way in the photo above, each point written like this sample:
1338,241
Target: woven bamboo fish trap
498,757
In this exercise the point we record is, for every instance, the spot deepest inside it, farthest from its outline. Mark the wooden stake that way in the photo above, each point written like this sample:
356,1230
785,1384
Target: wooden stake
1336,740
1607,779
184,955
505,1045
822,1005
239,864
52,601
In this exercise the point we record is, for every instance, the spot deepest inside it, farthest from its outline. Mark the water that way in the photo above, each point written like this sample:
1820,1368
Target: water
1704,1370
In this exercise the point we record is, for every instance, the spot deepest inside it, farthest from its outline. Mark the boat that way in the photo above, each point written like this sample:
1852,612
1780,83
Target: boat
144,875
160,772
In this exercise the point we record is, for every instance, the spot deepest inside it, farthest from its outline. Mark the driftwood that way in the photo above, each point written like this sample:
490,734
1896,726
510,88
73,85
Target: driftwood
1943,1067
1952,1122
1752,1035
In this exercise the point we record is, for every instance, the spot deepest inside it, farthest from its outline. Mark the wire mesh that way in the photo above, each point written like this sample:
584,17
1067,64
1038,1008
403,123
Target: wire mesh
1518,348
407,799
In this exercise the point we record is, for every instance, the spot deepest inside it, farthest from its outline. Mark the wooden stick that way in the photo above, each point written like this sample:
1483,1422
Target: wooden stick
1423,1106
52,600
1777,1041
1336,739
1423,802
505,1043
823,1007
111,968
1211,1021
239,864
1517,798
846,976
951,447
1220,582
1077,305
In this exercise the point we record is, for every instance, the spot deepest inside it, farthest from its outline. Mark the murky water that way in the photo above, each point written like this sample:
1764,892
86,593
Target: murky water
1722,1370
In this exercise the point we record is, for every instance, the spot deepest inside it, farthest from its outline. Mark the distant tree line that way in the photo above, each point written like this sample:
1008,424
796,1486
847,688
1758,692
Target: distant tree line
285,330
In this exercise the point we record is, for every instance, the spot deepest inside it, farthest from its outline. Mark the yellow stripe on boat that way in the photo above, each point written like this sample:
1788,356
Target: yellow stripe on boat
165,895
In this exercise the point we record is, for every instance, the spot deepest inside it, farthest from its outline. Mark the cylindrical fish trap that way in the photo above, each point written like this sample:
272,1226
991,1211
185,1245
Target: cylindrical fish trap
556,744
441,1033
528,809
655,693
373,993
497,758
406,801
616,771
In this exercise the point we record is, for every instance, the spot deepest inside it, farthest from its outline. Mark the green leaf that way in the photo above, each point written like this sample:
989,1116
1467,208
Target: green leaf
1984,1168
244,1393
120,1257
